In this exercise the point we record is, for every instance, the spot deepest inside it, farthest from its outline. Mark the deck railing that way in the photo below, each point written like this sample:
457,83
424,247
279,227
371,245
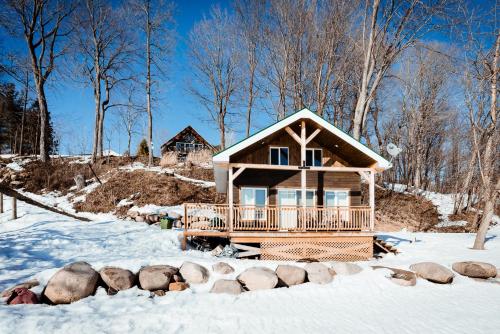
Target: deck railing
276,218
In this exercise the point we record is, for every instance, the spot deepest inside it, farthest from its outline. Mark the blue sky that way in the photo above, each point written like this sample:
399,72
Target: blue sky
72,106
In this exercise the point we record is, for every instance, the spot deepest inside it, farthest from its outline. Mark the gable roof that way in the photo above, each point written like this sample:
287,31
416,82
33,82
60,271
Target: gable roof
223,156
187,130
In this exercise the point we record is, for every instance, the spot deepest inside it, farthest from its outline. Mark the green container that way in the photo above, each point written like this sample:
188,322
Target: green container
166,223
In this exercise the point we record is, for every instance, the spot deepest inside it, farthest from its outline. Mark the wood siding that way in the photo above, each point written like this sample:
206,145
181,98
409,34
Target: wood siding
319,181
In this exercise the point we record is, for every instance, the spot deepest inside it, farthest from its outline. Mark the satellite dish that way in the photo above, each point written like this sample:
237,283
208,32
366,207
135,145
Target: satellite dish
393,150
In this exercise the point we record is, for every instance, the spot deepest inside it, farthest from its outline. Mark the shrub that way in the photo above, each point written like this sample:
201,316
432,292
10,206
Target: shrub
143,149
200,157
169,159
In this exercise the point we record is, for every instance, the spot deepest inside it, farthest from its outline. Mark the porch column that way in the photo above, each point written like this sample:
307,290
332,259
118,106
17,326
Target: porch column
372,200
230,198
303,171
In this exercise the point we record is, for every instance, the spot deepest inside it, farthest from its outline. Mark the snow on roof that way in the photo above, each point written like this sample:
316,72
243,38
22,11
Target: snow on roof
223,156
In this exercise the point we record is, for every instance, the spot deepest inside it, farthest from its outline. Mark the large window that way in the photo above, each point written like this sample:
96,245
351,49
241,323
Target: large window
313,157
336,198
188,147
253,202
293,197
278,155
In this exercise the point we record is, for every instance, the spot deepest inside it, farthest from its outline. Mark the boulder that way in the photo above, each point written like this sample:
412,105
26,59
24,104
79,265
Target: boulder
194,273
178,286
346,268
433,272
132,213
222,268
258,278
22,296
400,276
157,277
117,279
139,219
177,278
217,250
318,273
174,215
291,275
232,287
27,285
73,282
475,269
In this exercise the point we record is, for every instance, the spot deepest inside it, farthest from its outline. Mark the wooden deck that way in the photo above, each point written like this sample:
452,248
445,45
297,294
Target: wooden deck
286,233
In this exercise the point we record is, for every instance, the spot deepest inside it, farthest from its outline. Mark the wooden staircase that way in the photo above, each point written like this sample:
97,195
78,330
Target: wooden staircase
380,245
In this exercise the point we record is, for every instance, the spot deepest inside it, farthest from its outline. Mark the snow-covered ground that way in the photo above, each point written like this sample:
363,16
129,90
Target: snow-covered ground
40,242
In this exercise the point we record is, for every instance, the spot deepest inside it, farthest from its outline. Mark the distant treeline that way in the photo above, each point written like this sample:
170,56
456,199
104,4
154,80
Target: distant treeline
20,123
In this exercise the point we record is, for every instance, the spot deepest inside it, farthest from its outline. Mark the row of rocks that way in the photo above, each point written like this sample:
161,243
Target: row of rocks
79,280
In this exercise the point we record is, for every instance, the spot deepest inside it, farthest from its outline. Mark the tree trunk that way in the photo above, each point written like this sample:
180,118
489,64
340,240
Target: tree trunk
488,210
21,140
44,119
148,90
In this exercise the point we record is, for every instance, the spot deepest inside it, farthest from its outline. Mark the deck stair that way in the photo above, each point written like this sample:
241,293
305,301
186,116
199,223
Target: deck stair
381,245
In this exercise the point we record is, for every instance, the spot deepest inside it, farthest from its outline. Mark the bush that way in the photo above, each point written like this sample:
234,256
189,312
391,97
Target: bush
200,157
169,159
143,149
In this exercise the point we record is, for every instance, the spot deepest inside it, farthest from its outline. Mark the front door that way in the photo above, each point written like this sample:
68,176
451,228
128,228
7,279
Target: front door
287,201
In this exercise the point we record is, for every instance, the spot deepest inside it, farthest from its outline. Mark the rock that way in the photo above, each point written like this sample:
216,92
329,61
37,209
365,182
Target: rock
433,272
475,269
159,293
194,273
177,278
22,296
174,215
178,286
132,213
27,285
73,282
139,219
258,278
158,277
318,273
117,279
217,250
232,287
151,219
291,275
222,268
498,273
400,277
346,268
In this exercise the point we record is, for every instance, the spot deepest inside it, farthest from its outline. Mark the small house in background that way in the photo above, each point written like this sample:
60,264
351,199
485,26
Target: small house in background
187,140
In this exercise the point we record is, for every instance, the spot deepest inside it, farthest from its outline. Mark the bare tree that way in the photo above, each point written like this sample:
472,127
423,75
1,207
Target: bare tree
389,28
250,16
41,23
105,49
214,59
155,18
129,115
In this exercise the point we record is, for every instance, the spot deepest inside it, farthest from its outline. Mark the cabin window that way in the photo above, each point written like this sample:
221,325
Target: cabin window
293,197
253,201
187,147
313,157
278,155
336,198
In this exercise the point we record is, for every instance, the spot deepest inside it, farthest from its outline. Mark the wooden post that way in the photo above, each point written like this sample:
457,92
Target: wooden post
303,176
1,202
14,207
372,200
184,237
230,198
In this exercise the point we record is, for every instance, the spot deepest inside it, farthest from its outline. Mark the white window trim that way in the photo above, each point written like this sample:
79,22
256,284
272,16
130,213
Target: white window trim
315,149
298,189
266,189
337,190
279,155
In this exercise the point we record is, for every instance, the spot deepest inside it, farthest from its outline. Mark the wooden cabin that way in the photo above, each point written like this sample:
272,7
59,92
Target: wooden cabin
293,192
186,141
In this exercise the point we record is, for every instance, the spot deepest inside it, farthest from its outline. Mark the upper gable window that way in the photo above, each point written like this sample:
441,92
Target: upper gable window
313,157
278,155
